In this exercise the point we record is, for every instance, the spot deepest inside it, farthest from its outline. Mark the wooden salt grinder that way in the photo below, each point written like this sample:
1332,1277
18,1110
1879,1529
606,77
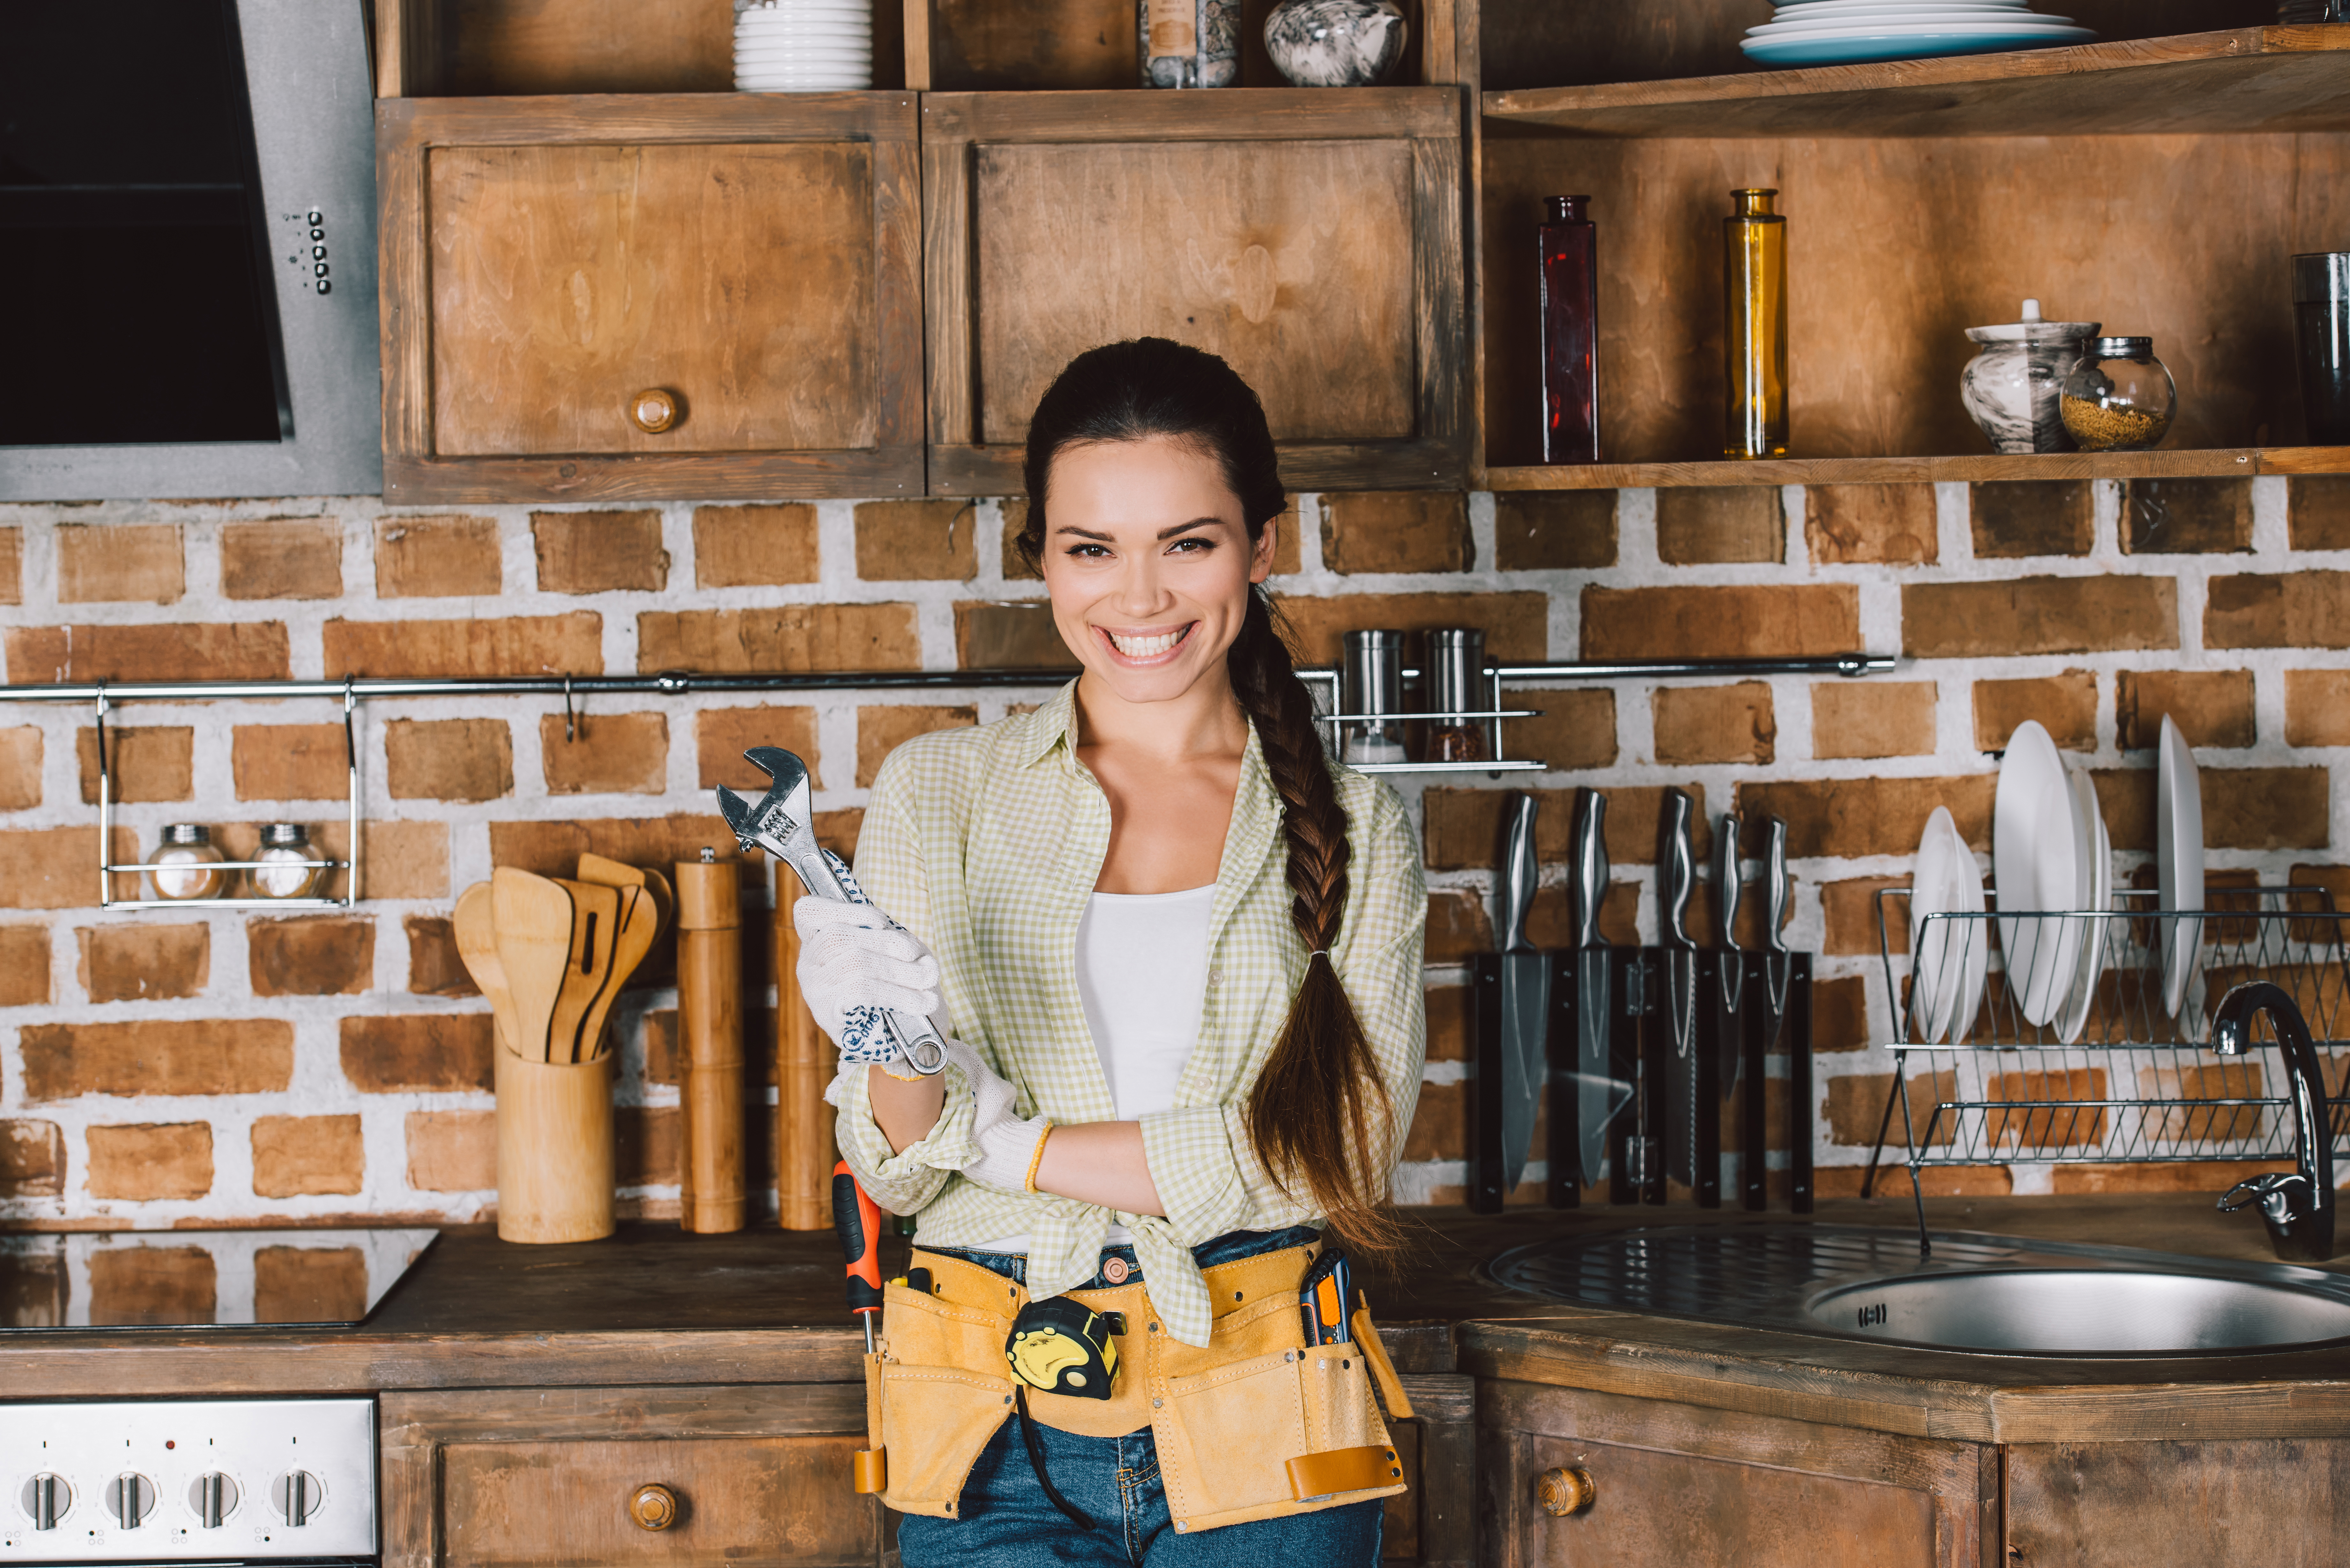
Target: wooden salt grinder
710,1040
803,1151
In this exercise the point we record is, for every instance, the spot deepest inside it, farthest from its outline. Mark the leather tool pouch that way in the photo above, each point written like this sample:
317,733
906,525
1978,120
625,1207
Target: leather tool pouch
941,1381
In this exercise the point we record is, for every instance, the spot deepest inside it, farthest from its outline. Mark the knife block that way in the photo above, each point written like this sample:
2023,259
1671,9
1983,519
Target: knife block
554,1149
711,1198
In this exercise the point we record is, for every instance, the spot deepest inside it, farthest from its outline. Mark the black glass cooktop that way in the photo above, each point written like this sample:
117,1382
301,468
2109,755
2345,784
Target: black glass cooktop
199,1279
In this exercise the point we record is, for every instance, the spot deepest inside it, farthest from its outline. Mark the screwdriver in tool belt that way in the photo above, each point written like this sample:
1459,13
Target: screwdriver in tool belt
857,1220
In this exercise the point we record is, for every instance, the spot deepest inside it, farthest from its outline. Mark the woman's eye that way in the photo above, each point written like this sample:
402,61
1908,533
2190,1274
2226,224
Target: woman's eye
1191,546
1088,549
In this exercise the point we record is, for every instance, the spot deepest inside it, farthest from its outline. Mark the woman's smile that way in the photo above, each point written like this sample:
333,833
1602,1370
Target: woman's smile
1141,649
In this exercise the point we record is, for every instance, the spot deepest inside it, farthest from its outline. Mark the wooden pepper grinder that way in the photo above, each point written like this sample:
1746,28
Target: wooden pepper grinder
710,1030
804,1144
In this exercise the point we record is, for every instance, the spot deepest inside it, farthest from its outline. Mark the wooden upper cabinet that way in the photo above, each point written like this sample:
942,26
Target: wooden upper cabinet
1312,238
547,260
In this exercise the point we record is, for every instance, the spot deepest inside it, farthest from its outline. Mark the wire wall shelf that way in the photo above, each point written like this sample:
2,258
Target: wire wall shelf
2048,1038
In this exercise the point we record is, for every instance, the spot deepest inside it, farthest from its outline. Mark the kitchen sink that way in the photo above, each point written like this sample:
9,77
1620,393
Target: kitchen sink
1996,1294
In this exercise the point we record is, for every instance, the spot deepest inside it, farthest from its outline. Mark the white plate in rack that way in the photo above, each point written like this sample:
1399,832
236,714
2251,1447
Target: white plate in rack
1938,952
2094,881
2179,852
2036,863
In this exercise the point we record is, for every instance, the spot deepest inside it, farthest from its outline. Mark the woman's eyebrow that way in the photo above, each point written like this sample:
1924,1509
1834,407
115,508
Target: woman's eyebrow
1165,533
1084,533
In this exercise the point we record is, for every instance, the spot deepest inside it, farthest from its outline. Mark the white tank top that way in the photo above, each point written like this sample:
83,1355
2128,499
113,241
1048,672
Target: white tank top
1142,973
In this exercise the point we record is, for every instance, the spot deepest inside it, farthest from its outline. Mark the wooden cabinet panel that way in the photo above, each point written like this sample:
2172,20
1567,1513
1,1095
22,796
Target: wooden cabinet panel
567,278
2281,1502
538,1478
1684,1487
749,1500
545,259
1311,238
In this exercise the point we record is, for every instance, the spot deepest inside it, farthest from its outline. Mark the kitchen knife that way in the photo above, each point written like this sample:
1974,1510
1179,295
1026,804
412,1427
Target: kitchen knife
1729,964
1525,990
1595,1101
1676,871
1777,971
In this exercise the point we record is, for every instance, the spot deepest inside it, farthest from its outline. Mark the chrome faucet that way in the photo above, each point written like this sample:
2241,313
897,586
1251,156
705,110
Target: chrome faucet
2296,1205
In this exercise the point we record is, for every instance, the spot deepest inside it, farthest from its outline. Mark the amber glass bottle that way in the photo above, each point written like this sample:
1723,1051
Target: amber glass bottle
1570,332
1754,326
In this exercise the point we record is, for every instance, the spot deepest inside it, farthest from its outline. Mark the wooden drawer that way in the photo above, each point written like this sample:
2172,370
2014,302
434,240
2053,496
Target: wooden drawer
1684,1487
1310,237
525,1479
545,260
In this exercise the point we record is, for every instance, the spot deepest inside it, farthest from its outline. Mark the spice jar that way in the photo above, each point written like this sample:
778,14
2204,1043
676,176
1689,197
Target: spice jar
2013,388
283,868
1456,660
187,864
1370,684
2120,397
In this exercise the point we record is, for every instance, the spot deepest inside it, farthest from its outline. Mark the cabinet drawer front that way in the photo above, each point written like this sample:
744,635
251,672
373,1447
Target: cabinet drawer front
741,1499
567,278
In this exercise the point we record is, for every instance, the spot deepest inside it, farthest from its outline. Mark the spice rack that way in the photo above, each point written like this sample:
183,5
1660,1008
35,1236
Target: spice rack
2135,1082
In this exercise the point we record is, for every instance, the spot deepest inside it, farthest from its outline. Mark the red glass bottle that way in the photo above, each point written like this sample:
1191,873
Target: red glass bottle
1570,333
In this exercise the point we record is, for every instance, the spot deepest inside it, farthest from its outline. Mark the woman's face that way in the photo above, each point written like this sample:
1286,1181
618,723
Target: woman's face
1149,562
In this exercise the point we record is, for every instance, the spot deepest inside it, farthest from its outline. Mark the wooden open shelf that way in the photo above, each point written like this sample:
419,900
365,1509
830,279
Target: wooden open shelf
2185,464
2242,79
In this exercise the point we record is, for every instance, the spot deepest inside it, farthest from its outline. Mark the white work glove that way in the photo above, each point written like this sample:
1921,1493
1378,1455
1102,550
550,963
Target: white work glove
853,966
1007,1145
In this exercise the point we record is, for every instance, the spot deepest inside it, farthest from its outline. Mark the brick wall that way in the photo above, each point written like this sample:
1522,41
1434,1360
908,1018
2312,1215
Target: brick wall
209,1066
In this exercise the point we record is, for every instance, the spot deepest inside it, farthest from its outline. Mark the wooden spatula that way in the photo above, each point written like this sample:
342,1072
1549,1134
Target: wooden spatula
639,923
613,874
477,948
595,930
532,918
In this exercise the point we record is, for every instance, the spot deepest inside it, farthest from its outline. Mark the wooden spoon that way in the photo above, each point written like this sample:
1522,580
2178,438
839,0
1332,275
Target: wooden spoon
477,948
639,924
594,931
533,919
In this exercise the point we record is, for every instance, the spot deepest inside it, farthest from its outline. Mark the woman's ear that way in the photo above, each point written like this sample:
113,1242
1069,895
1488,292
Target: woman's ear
1260,557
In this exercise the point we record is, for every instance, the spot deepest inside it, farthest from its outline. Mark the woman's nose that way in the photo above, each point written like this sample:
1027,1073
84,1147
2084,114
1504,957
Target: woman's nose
1139,590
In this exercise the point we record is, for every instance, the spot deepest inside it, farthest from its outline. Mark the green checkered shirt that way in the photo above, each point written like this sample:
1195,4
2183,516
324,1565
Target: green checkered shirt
986,844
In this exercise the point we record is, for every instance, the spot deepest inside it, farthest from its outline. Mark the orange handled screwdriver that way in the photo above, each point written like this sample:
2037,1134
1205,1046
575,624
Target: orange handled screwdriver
857,1220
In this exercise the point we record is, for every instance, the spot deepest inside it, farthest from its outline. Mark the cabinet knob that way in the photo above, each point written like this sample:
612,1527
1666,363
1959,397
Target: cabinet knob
654,1506
656,408
1566,1490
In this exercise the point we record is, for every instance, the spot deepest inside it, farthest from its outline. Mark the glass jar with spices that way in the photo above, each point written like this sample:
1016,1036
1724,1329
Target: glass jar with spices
187,865
1189,43
283,866
2120,397
1371,687
1457,685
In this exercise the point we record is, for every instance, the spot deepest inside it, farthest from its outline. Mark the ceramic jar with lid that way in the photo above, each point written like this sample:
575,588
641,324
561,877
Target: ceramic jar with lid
1336,43
187,865
2119,397
283,868
2013,388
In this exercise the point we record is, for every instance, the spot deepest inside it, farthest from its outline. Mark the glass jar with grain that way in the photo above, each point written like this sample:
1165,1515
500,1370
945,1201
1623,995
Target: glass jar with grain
2119,397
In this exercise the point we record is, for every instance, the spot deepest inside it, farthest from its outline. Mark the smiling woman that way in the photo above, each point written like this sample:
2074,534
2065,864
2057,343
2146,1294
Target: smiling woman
1178,950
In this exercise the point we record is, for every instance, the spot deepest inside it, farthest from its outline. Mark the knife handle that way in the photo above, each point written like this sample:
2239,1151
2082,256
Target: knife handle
1591,868
1515,895
1676,859
1726,888
1774,884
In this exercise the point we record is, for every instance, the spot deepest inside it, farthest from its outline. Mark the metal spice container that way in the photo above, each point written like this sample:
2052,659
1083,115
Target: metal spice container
1456,657
2120,397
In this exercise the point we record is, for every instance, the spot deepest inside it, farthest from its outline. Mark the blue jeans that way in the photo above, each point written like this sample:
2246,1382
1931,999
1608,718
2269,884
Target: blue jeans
1008,1523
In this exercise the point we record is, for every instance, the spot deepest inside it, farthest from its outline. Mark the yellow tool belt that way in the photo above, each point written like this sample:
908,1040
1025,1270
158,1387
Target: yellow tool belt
1254,1425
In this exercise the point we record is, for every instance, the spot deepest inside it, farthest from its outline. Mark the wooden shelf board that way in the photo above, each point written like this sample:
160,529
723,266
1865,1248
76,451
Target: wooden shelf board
2227,461
2243,79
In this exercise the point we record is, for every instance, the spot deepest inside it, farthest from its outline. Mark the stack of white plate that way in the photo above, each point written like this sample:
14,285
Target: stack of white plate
1847,32
804,45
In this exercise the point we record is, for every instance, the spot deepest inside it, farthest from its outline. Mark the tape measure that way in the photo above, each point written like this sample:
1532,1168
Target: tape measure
1065,1347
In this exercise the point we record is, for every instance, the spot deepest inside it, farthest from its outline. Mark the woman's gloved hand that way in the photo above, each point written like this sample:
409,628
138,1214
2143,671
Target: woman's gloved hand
1007,1144
853,963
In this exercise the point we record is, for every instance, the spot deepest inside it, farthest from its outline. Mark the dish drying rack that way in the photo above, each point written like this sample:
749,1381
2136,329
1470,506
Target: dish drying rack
2137,1084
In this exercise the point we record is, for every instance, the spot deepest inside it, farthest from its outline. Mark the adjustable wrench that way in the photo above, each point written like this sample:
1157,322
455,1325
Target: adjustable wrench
780,823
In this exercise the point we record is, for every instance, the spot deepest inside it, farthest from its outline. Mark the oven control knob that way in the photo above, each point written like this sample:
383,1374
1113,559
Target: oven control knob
214,1496
46,1499
130,1498
295,1496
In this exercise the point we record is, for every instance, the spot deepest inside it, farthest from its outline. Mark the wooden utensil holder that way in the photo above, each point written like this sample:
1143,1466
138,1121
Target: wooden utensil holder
711,1198
554,1149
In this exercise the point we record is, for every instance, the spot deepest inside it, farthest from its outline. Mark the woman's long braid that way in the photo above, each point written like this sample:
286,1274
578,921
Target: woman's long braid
1322,1044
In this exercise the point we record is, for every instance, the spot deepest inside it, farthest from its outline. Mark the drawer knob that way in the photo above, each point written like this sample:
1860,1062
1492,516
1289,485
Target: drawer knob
1566,1490
654,1506
656,408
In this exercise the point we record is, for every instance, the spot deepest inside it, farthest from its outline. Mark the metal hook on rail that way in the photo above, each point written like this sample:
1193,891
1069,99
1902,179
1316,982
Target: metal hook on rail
570,717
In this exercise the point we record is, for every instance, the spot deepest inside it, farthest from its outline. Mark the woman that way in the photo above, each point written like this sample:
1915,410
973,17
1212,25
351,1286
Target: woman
1178,951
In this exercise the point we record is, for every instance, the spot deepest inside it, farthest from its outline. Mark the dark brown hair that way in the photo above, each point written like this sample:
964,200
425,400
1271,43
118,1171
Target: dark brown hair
1319,1112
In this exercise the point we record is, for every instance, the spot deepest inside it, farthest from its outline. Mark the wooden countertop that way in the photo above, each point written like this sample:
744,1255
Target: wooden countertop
654,1306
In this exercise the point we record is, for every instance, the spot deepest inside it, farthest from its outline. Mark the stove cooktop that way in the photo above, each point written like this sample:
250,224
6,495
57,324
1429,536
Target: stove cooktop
199,1279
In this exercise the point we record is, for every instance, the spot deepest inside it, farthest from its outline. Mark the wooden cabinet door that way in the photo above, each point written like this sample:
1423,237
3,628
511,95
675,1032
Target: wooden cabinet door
512,1478
1684,1487
1310,237
545,260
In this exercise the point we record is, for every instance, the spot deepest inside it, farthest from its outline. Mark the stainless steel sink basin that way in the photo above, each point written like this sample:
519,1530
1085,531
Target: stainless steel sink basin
1996,1294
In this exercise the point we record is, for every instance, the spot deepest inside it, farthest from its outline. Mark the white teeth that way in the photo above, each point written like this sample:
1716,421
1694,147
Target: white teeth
1145,646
